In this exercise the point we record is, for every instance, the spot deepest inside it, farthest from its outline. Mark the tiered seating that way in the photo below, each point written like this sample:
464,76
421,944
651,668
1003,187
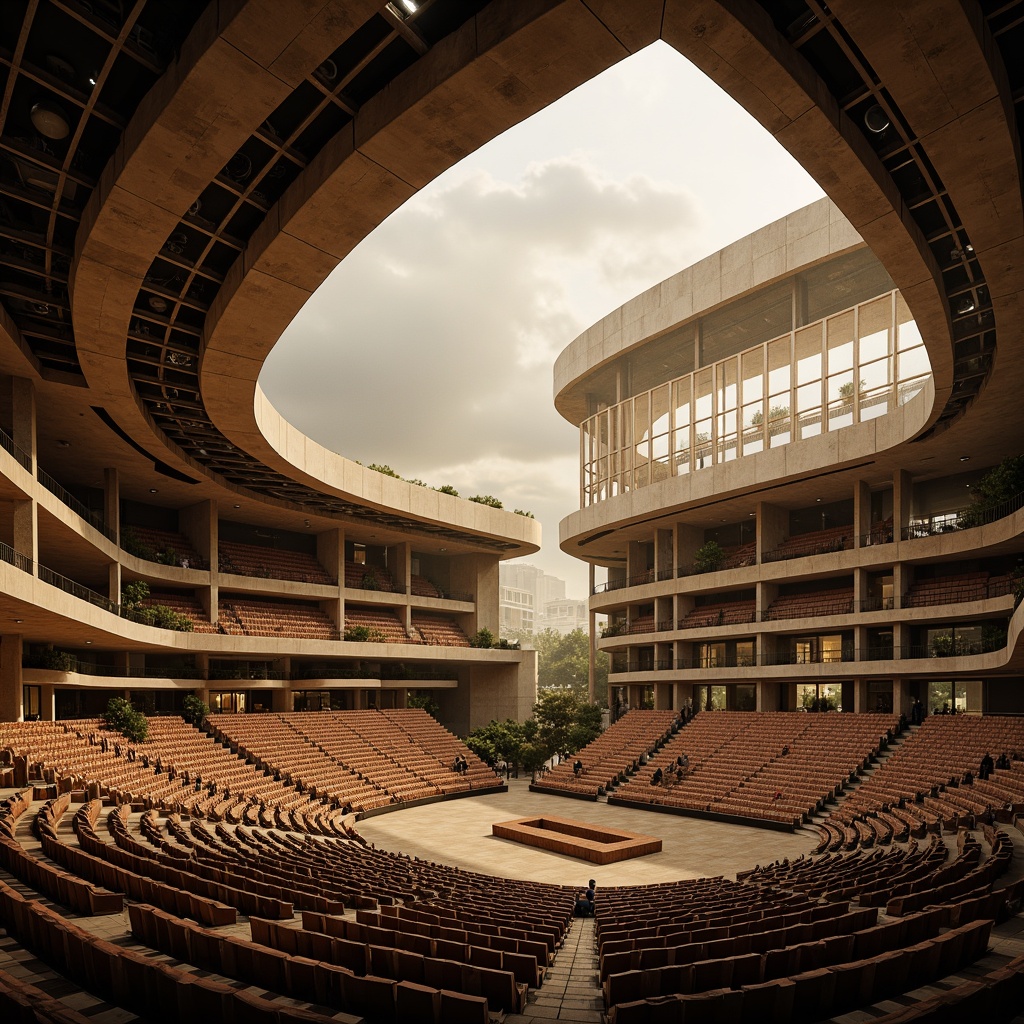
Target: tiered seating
641,624
607,759
361,759
271,563
710,950
276,618
420,586
278,745
430,736
382,620
820,602
365,577
721,613
741,555
165,546
921,783
183,604
971,586
775,766
177,767
437,630
835,538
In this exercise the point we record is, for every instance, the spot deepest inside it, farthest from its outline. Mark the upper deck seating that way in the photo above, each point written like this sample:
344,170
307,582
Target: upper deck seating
367,577
382,621
835,538
956,589
811,605
165,546
420,586
438,630
721,613
271,563
183,604
275,619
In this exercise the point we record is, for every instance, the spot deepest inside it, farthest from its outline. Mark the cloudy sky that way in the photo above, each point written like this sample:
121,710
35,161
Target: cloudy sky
450,315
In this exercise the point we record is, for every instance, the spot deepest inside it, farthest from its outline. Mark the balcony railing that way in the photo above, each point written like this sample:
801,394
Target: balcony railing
15,558
963,519
848,656
92,518
55,579
8,444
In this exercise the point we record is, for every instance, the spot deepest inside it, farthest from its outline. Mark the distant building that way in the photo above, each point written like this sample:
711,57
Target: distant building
565,615
544,590
515,610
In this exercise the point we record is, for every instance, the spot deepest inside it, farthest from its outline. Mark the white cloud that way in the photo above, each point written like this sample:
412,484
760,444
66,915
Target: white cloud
430,348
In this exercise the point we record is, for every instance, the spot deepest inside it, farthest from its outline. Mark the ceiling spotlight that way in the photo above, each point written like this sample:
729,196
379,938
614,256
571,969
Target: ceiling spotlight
92,80
965,458
158,303
238,506
965,305
19,620
817,499
49,120
63,444
307,524
152,490
876,119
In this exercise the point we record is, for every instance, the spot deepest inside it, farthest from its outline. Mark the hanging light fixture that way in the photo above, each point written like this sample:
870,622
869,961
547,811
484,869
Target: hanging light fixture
49,120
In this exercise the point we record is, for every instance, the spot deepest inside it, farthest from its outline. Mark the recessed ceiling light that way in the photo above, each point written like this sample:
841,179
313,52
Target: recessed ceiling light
238,506
63,444
152,490
410,5
19,620
876,119
158,303
817,499
965,458
965,305
88,641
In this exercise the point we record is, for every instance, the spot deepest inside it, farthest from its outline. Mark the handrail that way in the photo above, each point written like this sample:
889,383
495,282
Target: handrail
58,489
963,519
13,448
15,558
784,553
55,579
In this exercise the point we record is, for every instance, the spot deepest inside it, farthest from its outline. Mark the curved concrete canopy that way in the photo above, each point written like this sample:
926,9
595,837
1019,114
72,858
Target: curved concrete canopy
489,71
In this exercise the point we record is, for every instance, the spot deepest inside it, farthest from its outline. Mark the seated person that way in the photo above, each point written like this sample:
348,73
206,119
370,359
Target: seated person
657,777
584,906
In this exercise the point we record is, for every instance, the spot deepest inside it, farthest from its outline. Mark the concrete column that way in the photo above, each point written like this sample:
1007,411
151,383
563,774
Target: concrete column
48,702
902,580
902,702
768,695
400,567
861,510
592,634
860,696
23,416
112,501
662,696
772,527
664,554
902,501
860,589
25,531
10,678
765,594
114,581
688,539
199,523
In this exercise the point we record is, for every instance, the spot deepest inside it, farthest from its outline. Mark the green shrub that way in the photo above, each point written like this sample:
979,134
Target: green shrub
123,718
482,638
364,634
708,557
448,489
194,709
487,499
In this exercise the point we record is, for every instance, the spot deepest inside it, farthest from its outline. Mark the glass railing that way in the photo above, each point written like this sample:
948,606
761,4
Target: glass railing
848,368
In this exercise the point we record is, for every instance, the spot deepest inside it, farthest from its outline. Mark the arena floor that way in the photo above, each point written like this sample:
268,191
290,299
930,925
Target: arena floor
458,832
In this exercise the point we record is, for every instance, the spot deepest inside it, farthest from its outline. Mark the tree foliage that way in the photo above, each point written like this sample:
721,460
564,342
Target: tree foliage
709,557
122,717
487,499
999,484
424,701
194,709
566,721
132,596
